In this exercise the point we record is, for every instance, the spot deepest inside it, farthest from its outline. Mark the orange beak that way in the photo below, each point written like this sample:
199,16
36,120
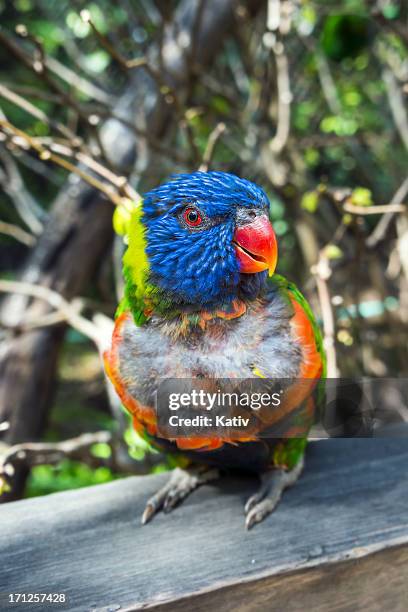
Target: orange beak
256,247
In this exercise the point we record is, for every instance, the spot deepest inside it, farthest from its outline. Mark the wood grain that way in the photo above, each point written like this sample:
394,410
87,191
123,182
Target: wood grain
338,541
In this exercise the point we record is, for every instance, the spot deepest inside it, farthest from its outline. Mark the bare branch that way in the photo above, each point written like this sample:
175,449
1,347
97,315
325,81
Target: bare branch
375,210
39,66
397,105
329,88
273,15
12,183
384,223
16,232
110,48
46,155
167,91
31,454
40,453
211,144
78,82
195,33
322,273
120,182
37,113
68,309
280,139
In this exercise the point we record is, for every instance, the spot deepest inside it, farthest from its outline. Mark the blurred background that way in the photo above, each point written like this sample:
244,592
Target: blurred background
102,100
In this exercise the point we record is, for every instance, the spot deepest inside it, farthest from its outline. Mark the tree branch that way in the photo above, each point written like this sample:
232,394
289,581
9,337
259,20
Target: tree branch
17,233
322,273
31,454
47,155
384,223
68,310
211,144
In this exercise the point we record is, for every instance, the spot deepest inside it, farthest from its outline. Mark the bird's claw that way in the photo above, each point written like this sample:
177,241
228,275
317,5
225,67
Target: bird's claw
180,485
265,500
148,513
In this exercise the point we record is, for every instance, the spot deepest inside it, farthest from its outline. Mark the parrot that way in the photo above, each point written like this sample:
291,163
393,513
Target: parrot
202,299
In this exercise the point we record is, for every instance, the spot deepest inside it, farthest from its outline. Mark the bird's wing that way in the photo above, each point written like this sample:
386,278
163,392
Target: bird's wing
308,396
305,329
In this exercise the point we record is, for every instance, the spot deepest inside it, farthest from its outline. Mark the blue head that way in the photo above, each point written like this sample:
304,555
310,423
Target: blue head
204,231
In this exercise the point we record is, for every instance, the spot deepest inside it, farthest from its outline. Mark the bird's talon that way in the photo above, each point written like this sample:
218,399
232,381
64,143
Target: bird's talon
264,501
252,501
171,502
251,520
148,513
180,485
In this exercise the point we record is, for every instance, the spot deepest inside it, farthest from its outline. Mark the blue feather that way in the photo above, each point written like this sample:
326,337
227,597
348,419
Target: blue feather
198,266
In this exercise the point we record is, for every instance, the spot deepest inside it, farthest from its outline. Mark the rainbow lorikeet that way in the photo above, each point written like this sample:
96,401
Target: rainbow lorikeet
202,300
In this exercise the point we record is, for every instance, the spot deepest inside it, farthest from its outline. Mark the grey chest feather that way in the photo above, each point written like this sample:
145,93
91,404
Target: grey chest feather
261,339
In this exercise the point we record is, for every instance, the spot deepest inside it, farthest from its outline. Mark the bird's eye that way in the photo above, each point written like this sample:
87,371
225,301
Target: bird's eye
192,217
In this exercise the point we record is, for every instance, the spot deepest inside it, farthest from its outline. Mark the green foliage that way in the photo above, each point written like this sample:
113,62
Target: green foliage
101,450
45,479
339,125
332,251
310,201
390,10
345,36
361,197
4,486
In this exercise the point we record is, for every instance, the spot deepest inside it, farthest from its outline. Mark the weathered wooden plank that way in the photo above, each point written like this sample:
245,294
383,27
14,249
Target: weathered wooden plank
374,583
338,541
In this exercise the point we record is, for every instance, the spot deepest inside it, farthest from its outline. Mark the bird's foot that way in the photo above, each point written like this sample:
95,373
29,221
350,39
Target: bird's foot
181,483
265,500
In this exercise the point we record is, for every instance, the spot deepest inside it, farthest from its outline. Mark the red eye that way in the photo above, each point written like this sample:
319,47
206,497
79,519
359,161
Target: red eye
192,217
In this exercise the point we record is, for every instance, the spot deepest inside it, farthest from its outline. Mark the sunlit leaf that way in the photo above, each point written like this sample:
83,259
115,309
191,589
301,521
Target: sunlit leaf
101,450
361,197
332,251
310,201
97,61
